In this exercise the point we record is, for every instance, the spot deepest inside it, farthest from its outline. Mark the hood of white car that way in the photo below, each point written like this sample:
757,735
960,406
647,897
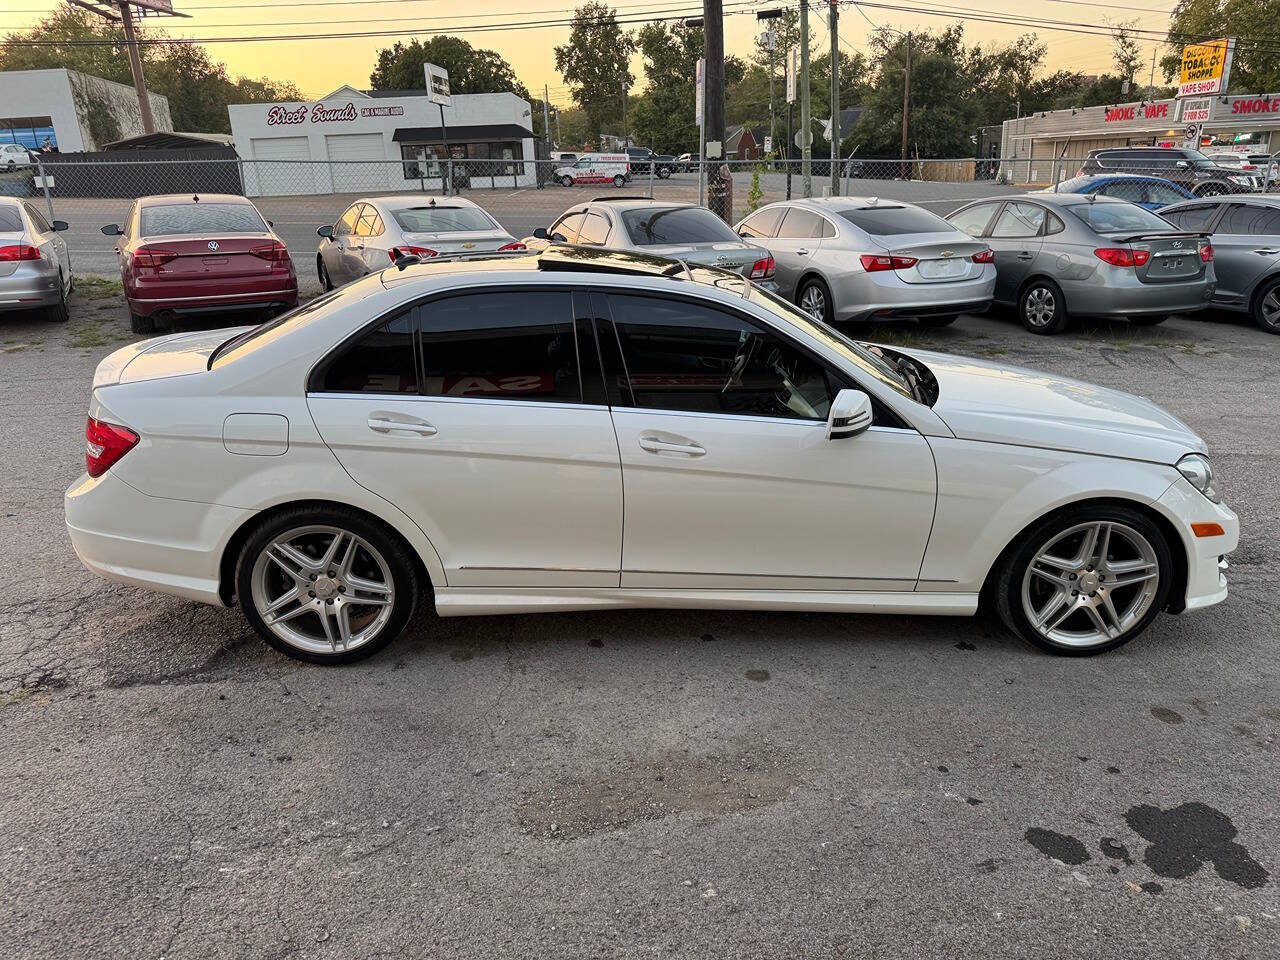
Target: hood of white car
995,402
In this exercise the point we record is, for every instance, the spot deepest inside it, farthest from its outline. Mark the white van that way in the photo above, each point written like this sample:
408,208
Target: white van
590,168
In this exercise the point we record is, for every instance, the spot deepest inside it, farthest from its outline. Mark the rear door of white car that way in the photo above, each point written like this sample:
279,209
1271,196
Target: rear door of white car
730,481
472,414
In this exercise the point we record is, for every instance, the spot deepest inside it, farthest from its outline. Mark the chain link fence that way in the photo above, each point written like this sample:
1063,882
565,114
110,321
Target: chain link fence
300,196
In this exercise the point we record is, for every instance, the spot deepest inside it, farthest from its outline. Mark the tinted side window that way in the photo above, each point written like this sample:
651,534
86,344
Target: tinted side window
690,357
974,220
1250,220
347,225
381,361
516,345
1018,220
826,228
1124,190
763,224
568,227
370,223
594,229
1162,194
37,219
1195,217
799,224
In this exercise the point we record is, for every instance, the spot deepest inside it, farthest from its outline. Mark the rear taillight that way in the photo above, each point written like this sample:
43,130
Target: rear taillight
395,253
985,256
105,443
875,262
517,245
1080,172
152,257
275,251
1206,253
763,269
19,251
1122,256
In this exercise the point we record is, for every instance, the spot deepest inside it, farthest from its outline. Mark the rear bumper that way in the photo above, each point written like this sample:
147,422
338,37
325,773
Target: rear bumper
146,306
172,546
864,296
1138,298
33,284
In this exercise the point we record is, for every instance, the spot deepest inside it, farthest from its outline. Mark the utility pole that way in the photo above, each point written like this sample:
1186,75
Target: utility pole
906,106
834,18
135,67
806,121
624,114
713,109
1151,84
771,45
546,113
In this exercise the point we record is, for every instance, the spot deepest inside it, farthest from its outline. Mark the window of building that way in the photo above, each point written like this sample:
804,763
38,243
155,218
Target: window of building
34,133
476,159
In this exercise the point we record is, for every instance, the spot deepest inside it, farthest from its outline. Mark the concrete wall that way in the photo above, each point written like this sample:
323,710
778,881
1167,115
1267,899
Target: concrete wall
68,98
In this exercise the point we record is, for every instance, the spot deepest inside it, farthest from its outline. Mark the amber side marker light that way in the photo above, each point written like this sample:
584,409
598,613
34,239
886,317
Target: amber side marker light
1207,529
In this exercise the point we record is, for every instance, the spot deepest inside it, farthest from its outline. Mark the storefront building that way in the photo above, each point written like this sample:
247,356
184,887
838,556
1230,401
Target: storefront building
1041,147
70,112
357,141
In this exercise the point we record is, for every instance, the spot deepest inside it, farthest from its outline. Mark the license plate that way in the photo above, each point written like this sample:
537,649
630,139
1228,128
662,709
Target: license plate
1170,264
941,269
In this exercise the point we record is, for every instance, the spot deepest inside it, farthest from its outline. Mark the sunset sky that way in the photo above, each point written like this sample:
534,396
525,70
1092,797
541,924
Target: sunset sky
318,66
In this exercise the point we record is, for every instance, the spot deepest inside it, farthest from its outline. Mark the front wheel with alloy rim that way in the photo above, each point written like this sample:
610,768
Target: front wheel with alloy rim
57,313
326,585
325,283
814,299
1042,309
1085,581
1266,307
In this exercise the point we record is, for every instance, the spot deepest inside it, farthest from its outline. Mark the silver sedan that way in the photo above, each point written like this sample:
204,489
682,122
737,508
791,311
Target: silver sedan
35,269
1066,254
373,233
862,258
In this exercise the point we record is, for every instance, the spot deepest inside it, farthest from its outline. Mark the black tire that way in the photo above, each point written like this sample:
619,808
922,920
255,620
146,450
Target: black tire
1036,297
1012,570
1266,306
57,313
1148,320
1211,190
323,273
821,292
619,180
393,550
566,181
937,321
664,173
141,324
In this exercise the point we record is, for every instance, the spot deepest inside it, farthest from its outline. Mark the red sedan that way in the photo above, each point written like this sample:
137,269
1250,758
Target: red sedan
195,256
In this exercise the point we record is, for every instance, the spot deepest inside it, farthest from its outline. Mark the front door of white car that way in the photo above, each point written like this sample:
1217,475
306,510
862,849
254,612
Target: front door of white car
471,415
730,481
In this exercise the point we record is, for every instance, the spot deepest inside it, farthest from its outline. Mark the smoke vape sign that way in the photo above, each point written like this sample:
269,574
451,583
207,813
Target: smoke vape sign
437,84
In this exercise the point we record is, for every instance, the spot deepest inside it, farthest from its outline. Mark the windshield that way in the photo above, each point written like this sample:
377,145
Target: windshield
441,219
872,364
1120,217
168,219
650,227
1199,159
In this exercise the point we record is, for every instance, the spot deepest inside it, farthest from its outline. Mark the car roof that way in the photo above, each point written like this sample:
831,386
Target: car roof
635,202
417,200
193,198
1248,199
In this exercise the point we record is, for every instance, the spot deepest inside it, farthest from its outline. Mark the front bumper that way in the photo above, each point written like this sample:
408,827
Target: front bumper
172,546
1184,505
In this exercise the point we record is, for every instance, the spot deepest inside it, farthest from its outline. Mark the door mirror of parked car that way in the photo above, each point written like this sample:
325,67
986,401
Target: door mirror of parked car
326,231
112,230
850,415
1182,165
61,225
540,233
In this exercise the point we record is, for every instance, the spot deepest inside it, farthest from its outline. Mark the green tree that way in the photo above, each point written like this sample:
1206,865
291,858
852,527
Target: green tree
594,63
1125,53
1256,67
471,70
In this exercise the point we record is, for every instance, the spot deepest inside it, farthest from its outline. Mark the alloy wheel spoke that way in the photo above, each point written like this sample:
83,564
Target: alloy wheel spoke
1057,609
327,621
1055,577
1109,613
1060,563
343,618
1089,544
1100,620
286,615
291,560
334,548
1129,579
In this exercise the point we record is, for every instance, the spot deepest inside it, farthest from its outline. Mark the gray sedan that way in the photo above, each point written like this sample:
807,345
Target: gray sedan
35,269
374,232
682,231
860,258
1063,255
1246,251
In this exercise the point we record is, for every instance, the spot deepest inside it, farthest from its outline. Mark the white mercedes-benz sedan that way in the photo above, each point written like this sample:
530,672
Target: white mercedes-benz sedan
582,429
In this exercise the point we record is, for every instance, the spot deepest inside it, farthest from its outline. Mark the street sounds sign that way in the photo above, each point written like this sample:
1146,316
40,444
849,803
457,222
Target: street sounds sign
1206,67
437,84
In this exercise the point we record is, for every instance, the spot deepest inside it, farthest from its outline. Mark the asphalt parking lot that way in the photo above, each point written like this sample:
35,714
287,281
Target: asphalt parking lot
640,784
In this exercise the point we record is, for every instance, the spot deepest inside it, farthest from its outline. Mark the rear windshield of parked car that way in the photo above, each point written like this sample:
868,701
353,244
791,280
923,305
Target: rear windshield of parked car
884,221
1122,216
441,219
648,227
166,219
10,221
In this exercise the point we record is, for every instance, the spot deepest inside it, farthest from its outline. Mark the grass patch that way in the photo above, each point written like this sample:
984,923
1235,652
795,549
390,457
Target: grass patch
89,335
14,348
98,288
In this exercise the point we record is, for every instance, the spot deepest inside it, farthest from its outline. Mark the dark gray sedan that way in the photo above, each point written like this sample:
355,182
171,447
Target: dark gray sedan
1246,251
1064,255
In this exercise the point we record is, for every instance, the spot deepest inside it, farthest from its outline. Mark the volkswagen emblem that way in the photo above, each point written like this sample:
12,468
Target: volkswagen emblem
213,244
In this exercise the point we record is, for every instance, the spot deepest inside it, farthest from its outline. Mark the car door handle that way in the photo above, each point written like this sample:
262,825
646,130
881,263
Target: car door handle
658,445
1267,252
1026,255
802,252
382,423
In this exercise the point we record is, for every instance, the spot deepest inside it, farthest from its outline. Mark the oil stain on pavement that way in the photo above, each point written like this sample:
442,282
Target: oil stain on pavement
1186,837
1057,846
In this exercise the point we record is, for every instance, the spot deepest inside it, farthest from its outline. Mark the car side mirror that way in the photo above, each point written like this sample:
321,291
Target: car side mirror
326,231
540,233
1182,165
112,230
850,415
60,225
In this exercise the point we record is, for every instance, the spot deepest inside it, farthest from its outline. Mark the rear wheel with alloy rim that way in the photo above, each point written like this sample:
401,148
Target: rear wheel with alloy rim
1211,190
57,313
326,586
1042,309
325,283
814,299
1266,307
1086,581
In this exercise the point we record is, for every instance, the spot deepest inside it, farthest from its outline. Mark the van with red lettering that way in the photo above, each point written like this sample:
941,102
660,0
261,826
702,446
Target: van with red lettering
1184,166
591,168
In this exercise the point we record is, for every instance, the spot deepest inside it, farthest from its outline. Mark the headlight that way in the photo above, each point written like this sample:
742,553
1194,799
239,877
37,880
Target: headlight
1244,180
1199,473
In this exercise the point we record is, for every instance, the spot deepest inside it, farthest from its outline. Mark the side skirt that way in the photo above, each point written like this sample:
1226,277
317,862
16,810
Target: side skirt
481,601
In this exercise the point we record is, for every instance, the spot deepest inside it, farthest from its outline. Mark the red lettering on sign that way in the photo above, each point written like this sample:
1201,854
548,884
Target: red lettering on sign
1153,111
1118,114
1256,105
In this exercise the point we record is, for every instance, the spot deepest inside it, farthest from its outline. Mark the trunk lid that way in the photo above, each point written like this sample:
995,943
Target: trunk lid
459,241
727,255
173,356
942,257
1172,257
198,257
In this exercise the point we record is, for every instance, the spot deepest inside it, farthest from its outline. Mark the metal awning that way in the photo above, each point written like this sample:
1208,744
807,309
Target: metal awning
492,131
